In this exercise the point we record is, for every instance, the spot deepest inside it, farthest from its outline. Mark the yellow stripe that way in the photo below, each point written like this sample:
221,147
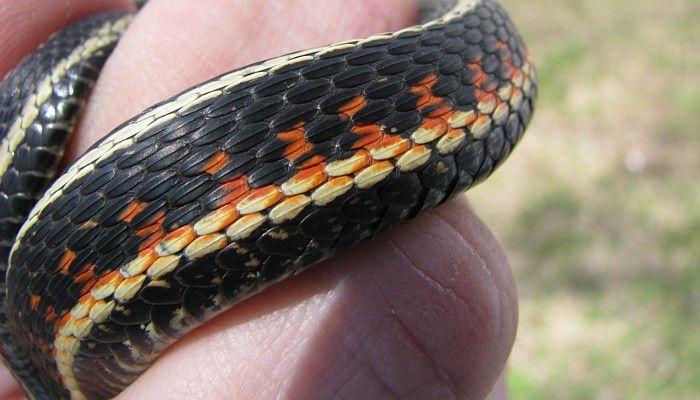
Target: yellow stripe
108,33
132,277
129,133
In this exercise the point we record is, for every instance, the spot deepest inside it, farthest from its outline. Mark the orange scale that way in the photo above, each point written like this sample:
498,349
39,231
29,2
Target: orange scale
63,321
311,162
235,189
443,111
87,277
297,145
388,147
66,261
131,210
106,285
50,315
367,134
479,74
304,180
34,301
353,106
216,162
259,199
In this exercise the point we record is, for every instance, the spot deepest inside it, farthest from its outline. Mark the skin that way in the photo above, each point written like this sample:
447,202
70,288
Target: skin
427,310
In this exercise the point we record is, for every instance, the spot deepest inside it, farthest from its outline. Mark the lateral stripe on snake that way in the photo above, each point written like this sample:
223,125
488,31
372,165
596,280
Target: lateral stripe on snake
222,190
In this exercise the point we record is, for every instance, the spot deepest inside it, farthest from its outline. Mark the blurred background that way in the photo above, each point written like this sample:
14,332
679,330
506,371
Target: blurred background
599,207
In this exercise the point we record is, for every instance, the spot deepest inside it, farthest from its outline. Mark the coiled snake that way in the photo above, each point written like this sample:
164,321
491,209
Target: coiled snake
232,185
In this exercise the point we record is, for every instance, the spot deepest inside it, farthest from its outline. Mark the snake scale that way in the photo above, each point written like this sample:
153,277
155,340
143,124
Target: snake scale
213,195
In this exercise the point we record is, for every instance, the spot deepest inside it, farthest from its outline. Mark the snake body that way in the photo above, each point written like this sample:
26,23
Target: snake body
232,185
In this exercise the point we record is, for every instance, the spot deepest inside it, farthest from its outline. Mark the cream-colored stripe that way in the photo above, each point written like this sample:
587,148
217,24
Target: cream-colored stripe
132,277
108,33
130,132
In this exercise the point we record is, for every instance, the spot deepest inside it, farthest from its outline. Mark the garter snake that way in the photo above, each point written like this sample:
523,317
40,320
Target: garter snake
212,195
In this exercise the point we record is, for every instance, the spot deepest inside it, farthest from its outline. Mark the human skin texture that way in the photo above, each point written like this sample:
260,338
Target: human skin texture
425,310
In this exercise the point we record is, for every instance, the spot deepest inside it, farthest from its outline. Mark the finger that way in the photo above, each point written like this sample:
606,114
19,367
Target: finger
30,22
499,390
426,311
9,390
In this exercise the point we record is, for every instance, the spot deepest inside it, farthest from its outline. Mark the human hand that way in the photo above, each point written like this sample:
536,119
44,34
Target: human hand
426,310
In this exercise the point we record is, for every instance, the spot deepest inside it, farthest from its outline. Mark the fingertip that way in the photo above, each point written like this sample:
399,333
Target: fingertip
461,216
457,267
9,389
30,23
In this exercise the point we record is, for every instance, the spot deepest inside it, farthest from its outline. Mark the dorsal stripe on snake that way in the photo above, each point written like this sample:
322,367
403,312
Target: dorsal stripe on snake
39,102
228,187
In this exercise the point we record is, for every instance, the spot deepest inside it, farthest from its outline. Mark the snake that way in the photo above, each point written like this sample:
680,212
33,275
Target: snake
221,191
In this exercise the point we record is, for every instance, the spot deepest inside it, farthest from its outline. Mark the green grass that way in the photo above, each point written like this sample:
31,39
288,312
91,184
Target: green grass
598,207
557,67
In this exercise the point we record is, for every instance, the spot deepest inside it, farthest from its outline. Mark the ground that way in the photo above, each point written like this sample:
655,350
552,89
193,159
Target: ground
598,207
